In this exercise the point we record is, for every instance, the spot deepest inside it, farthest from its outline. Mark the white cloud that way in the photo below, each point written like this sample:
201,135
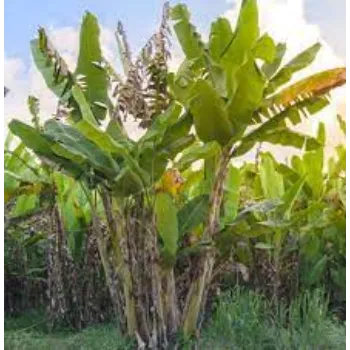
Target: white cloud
14,79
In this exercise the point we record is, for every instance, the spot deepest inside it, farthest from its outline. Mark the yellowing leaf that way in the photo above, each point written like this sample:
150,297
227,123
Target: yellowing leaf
171,182
315,85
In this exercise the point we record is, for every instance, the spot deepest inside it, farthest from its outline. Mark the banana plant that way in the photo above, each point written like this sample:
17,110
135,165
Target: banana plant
293,213
238,103
219,105
33,187
322,232
24,179
39,192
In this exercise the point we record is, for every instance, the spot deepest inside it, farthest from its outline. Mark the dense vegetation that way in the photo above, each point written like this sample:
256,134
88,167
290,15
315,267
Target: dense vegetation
101,227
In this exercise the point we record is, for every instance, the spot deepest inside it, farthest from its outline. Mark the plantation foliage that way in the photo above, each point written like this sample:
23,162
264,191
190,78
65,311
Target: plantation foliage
163,231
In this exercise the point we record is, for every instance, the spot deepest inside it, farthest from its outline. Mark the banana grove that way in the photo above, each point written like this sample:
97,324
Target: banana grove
164,230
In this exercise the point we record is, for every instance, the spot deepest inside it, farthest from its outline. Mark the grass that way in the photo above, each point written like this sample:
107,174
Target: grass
250,322
29,332
100,338
242,320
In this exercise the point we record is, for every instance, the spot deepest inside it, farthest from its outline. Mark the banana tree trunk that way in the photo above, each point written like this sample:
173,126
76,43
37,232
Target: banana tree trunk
170,302
56,293
117,234
148,288
65,306
110,276
196,297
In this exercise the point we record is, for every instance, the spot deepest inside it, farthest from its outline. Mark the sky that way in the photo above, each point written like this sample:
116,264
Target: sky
300,23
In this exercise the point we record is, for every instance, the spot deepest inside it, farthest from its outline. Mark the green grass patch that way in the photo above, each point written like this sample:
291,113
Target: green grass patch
20,334
244,320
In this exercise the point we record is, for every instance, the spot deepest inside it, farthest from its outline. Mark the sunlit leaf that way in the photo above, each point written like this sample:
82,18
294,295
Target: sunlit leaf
167,224
95,78
301,61
210,118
